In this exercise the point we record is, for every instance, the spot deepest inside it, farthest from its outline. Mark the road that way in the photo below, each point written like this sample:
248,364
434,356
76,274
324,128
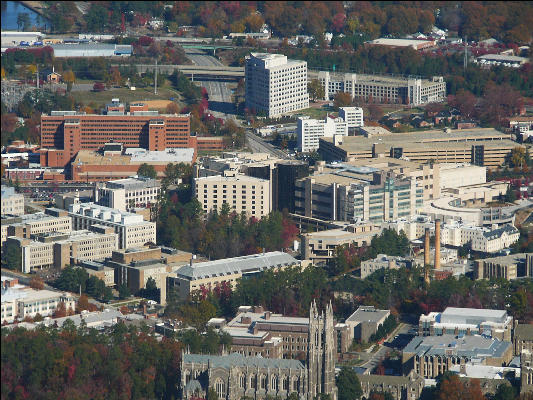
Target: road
384,348
258,145
220,102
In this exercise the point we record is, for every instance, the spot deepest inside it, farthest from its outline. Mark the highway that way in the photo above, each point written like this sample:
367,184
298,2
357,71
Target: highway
258,145
220,102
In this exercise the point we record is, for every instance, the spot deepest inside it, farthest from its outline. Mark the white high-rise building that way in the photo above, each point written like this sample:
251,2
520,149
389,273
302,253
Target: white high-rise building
311,130
353,116
275,85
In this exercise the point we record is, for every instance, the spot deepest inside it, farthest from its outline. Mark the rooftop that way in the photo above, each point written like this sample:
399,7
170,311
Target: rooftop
509,259
524,331
133,183
398,42
471,346
236,359
422,140
236,178
237,265
276,319
367,314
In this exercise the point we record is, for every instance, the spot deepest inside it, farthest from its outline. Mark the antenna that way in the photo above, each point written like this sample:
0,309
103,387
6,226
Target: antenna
465,61
155,91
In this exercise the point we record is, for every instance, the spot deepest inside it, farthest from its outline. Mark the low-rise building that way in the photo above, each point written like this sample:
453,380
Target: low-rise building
508,267
19,301
321,246
383,261
132,229
482,239
12,202
523,338
58,250
479,146
209,274
400,387
430,356
30,225
467,321
101,271
242,193
129,193
365,321
489,377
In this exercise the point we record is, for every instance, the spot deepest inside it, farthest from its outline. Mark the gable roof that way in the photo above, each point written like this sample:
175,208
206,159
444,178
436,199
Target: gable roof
238,360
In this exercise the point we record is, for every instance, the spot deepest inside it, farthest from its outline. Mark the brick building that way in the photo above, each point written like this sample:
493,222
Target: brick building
64,133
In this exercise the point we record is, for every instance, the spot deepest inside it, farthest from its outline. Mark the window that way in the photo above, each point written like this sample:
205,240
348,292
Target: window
220,388
242,381
263,382
253,381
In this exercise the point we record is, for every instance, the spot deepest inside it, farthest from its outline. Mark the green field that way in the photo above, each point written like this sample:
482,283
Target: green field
125,95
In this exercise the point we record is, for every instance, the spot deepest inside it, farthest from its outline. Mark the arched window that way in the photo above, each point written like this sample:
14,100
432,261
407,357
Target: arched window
262,382
220,388
242,381
295,384
187,376
274,383
253,381
285,384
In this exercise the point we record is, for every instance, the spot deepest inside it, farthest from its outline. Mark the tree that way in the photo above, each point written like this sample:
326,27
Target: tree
348,384
148,171
212,394
83,303
37,283
375,112
505,392
23,21
172,108
451,388
518,157
315,89
123,292
69,78
342,99
12,256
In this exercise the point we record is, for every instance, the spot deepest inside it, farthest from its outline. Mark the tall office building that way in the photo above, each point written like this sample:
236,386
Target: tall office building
275,85
311,130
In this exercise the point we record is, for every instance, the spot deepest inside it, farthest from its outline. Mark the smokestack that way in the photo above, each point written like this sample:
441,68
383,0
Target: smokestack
437,244
426,247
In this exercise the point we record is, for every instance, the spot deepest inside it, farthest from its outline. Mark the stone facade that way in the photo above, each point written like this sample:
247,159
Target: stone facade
400,387
235,376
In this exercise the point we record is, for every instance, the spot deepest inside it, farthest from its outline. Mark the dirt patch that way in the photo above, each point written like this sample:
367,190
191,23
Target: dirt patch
157,104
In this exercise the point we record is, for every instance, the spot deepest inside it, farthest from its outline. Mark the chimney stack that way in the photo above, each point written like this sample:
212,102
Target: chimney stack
426,247
437,244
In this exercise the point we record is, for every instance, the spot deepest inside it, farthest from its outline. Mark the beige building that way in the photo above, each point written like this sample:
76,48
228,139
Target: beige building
342,192
383,261
275,85
430,356
209,274
478,146
242,193
508,267
132,229
382,88
364,322
523,338
321,246
400,387
19,301
26,226
454,175
59,250
526,372
129,193
12,202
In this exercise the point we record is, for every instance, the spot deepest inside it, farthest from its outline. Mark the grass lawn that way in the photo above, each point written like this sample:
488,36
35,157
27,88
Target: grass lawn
126,95
316,113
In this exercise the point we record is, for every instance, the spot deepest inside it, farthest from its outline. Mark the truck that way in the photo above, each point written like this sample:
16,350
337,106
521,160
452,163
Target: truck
24,43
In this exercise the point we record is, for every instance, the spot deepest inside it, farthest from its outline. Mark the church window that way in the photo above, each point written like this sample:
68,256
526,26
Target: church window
263,382
295,384
220,388
253,382
242,381
285,384
274,383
